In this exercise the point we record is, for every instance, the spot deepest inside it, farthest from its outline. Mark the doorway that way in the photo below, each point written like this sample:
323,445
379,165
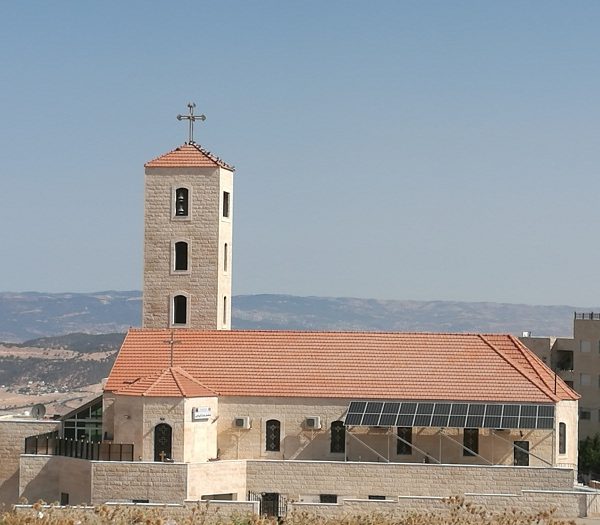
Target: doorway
163,435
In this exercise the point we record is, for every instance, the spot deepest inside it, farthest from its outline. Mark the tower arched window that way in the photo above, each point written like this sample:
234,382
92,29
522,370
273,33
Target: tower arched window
224,310
273,435
181,256
338,437
180,309
225,256
182,202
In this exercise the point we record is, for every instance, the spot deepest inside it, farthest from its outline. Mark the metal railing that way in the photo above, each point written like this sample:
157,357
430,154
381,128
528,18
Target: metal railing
587,316
51,444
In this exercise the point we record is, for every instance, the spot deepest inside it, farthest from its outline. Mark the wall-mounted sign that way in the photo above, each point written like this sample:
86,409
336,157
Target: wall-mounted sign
200,413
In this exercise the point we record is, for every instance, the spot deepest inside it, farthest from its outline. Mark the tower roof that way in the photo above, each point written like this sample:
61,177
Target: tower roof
418,366
188,155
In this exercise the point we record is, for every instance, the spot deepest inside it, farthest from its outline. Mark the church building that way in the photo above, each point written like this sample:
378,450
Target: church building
194,410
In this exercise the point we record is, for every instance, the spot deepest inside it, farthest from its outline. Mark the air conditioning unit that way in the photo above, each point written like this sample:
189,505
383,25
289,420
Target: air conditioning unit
313,422
242,422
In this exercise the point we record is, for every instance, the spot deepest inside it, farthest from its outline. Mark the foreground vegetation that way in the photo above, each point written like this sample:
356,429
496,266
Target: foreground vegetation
459,512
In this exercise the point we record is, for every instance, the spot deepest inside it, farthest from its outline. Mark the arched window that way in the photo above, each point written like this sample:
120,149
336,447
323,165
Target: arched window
224,310
225,255
562,438
180,309
162,442
182,202
338,437
181,256
273,436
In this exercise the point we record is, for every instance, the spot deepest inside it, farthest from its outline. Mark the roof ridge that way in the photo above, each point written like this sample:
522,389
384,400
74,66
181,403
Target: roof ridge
156,162
530,356
287,332
549,393
189,376
160,375
211,156
173,375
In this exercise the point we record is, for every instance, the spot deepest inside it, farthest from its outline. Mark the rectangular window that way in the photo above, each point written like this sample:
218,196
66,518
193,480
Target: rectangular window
569,383
64,499
585,414
471,441
562,438
225,257
225,204
403,448
224,310
585,346
327,498
585,379
377,497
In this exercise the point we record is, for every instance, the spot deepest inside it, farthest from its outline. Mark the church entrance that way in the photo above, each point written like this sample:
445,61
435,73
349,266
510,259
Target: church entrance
163,435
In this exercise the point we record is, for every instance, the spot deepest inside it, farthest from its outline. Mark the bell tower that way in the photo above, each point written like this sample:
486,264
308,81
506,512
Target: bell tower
188,216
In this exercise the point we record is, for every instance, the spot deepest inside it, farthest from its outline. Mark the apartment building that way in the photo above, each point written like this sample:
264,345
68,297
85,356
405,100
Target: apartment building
576,361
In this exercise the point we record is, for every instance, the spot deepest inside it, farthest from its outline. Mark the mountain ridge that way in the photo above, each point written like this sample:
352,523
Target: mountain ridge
32,315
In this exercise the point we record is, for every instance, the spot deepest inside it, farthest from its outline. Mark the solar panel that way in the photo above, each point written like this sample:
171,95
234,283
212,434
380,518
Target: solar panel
391,408
439,421
405,420
451,415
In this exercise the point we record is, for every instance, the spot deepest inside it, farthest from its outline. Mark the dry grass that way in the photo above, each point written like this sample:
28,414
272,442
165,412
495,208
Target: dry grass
459,512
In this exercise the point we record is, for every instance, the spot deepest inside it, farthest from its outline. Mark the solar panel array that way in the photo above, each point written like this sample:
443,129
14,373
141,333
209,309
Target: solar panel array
449,415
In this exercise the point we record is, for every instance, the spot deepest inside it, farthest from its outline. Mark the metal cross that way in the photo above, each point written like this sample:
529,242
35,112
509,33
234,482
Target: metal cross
172,342
192,118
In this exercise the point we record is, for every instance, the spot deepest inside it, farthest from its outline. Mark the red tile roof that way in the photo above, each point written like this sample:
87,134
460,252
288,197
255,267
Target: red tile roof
170,382
358,365
190,155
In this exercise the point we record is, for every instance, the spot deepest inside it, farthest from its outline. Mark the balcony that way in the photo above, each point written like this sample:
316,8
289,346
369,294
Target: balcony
563,360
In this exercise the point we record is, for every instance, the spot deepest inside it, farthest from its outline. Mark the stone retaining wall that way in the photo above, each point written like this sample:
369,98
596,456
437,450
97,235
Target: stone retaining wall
12,438
296,479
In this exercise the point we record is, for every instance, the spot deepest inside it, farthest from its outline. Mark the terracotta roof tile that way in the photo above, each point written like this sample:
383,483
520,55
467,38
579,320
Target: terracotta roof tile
170,382
189,155
469,367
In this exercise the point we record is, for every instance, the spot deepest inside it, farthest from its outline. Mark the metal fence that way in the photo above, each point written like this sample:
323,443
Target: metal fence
587,316
51,444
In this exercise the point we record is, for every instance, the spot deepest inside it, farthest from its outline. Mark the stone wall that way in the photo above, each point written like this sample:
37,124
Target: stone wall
46,477
12,438
564,504
208,513
361,480
126,481
205,282
218,477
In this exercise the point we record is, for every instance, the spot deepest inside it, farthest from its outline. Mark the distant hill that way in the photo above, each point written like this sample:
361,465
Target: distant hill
31,315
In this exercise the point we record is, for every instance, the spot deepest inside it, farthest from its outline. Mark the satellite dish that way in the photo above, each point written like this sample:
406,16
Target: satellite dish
38,411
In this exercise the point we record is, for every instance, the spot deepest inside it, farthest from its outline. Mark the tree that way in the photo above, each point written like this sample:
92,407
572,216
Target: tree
589,455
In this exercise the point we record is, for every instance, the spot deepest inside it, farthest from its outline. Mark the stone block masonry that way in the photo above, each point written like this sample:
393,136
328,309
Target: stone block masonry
361,480
128,481
12,438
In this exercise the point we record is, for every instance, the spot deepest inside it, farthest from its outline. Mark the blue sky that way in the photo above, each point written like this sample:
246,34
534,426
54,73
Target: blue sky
397,150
